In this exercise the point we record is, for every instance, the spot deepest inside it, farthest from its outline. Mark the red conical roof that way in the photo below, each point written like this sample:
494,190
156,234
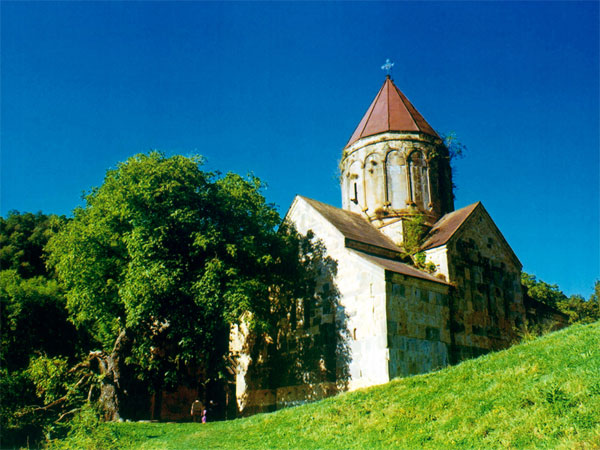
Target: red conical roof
390,111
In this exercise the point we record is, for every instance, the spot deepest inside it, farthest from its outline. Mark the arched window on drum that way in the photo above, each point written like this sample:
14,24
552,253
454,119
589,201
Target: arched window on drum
419,180
354,187
396,181
374,182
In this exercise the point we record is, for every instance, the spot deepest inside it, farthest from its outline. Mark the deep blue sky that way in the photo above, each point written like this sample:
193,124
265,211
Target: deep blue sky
278,88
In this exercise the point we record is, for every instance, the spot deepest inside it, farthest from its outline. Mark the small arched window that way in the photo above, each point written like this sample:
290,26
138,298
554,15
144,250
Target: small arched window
419,179
396,184
374,182
353,187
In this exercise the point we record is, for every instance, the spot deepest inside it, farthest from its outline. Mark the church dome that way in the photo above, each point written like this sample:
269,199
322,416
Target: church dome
395,166
391,111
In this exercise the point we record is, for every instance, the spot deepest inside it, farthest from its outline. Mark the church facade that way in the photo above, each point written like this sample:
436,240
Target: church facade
419,285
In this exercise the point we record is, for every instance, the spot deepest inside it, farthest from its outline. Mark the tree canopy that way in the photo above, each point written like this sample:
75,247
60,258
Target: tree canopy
549,294
22,241
577,308
581,310
166,256
33,322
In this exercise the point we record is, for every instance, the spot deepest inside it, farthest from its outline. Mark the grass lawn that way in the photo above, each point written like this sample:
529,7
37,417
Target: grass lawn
541,394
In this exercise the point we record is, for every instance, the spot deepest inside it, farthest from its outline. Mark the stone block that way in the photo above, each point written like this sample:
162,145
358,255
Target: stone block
432,334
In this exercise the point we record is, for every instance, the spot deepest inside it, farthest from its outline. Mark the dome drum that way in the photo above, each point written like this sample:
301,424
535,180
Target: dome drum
392,178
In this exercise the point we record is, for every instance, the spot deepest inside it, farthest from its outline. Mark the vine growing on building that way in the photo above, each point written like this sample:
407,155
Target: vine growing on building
415,230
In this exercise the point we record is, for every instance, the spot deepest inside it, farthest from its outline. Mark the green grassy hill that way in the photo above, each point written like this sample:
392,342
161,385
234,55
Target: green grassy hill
541,394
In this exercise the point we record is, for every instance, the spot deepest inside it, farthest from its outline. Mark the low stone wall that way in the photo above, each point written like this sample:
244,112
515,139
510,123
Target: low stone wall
545,316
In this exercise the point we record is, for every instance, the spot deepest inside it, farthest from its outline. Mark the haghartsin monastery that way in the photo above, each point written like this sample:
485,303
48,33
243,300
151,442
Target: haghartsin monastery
397,319
410,284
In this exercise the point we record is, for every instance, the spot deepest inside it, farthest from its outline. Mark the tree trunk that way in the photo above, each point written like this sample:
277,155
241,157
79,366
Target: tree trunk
109,401
110,387
156,411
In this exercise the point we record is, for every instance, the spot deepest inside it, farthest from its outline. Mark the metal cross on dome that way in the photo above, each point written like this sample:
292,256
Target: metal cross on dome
388,66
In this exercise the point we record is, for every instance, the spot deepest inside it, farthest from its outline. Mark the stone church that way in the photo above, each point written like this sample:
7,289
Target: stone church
420,284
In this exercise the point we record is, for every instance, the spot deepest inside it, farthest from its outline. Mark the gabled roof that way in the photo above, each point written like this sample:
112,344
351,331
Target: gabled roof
445,228
355,227
390,111
401,268
352,225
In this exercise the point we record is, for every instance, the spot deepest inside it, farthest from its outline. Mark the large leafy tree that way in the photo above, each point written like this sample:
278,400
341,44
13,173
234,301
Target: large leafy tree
160,261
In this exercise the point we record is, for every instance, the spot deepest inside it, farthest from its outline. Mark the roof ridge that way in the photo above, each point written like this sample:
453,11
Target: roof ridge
389,114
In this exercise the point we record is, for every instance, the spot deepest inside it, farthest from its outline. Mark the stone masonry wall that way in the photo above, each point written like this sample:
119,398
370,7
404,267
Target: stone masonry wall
361,360
361,288
487,305
417,325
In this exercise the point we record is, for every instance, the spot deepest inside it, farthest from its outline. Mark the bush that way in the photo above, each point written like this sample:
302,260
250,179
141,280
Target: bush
19,425
86,431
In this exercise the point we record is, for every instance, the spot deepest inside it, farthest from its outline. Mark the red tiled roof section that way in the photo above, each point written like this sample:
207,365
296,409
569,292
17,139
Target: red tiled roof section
390,111
352,225
444,228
